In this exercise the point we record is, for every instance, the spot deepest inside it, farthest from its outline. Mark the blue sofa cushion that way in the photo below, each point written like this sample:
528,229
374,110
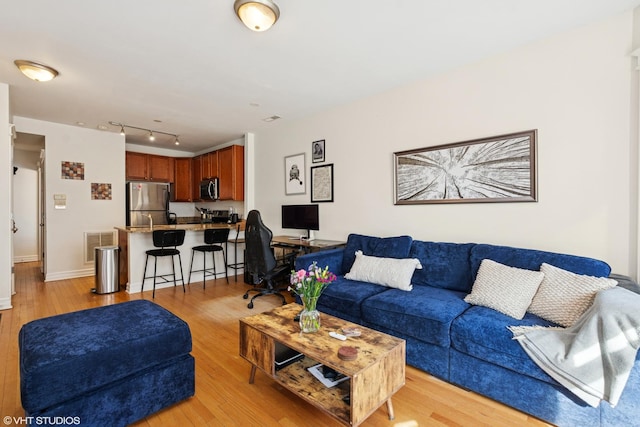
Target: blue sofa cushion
425,313
66,356
344,297
444,265
482,332
388,247
531,259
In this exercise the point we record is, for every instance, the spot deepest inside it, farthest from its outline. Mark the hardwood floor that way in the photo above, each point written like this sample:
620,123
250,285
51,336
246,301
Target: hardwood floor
223,395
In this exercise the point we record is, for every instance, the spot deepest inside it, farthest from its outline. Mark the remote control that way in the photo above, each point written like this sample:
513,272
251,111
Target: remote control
337,336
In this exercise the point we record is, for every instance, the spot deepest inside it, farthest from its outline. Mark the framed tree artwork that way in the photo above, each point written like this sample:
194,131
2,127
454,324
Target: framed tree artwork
496,169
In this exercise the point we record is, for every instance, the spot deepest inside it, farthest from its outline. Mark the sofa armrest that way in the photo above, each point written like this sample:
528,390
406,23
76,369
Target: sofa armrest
330,258
626,282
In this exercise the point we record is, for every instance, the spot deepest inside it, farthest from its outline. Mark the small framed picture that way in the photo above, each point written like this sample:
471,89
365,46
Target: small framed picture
317,151
322,183
294,177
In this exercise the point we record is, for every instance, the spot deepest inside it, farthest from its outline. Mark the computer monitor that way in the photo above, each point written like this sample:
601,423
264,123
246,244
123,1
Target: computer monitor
301,217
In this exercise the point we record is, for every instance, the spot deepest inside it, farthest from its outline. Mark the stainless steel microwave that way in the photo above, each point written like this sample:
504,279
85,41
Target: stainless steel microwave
210,189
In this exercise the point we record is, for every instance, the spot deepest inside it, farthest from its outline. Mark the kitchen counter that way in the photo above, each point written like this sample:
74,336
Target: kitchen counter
187,227
135,241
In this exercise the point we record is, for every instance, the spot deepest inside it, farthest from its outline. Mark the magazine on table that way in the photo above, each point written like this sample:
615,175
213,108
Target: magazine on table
328,379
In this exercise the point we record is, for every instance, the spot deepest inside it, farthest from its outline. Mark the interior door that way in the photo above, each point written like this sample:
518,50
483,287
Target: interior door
42,214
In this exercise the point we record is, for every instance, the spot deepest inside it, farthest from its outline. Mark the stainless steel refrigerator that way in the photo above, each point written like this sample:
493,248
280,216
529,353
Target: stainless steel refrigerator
146,199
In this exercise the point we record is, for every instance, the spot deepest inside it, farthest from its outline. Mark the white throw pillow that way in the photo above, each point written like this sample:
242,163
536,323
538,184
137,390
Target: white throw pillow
391,272
508,290
564,296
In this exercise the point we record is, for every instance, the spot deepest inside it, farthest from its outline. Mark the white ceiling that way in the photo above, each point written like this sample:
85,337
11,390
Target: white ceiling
194,67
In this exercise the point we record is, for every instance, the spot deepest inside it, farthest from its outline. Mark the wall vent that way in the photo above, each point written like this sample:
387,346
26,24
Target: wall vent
93,239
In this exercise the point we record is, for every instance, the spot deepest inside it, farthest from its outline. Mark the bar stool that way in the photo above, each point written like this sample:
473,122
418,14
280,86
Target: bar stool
168,242
213,237
237,241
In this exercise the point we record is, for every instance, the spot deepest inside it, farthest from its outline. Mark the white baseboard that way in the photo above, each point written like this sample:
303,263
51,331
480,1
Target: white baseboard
5,303
61,275
25,258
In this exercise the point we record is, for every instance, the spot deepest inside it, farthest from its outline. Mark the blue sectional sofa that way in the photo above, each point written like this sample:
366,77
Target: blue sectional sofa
467,345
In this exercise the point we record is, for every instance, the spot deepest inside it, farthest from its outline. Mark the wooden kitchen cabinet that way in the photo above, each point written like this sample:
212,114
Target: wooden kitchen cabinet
186,173
196,174
148,167
231,172
210,165
160,168
183,180
136,166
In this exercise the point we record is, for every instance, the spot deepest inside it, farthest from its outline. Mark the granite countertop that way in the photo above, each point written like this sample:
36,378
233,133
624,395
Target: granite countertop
188,227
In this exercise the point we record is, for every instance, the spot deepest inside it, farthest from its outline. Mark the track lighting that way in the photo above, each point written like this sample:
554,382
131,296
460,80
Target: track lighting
150,132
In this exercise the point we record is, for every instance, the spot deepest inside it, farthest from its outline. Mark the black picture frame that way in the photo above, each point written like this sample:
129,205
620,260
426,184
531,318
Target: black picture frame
322,183
318,151
496,169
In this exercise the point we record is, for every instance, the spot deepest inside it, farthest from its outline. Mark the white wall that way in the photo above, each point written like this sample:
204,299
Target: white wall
574,88
6,172
103,156
25,205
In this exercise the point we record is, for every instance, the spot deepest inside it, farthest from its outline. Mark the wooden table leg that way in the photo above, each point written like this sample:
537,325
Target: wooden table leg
253,374
390,409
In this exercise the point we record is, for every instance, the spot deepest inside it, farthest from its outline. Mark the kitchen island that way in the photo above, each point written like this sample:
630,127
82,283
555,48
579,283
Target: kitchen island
135,241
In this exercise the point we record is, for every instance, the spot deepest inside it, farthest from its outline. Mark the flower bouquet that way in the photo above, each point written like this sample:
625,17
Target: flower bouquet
309,284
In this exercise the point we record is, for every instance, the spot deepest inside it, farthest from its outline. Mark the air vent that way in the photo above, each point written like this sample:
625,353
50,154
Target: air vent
93,239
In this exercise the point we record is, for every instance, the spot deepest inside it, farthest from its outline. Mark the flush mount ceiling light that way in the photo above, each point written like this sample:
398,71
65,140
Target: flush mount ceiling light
150,132
257,15
35,71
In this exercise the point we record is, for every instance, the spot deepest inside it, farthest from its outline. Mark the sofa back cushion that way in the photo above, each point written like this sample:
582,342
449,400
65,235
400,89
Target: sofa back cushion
531,259
387,247
444,265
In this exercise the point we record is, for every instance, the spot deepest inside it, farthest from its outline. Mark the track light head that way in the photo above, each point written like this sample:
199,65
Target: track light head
150,132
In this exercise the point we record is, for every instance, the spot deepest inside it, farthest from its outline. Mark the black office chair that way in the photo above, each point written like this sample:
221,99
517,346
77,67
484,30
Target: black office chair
213,239
167,241
260,262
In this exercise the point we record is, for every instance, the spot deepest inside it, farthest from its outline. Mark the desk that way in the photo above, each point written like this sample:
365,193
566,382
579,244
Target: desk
288,244
305,246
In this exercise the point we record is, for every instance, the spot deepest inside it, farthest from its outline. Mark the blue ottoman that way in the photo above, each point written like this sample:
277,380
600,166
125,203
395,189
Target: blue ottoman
110,365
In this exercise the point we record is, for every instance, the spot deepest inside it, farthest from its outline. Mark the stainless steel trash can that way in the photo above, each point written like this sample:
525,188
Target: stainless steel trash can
107,270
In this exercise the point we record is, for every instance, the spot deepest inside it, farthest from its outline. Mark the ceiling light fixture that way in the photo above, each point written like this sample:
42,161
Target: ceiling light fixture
150,132
35,71
257,15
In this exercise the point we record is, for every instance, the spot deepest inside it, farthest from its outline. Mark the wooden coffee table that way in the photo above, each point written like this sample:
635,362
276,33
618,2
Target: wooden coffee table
376,374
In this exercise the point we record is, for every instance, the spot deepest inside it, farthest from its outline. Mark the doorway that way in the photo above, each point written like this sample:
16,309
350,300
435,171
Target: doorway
28,199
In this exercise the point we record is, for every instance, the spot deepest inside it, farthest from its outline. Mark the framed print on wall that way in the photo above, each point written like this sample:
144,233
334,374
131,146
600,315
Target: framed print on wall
322,183
496,169
317,151
294,177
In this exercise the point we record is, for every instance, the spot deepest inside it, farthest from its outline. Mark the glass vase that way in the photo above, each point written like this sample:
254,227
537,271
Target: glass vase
309,317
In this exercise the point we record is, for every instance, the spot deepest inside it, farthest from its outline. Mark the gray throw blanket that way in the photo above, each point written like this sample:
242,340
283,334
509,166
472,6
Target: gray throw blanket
592,358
